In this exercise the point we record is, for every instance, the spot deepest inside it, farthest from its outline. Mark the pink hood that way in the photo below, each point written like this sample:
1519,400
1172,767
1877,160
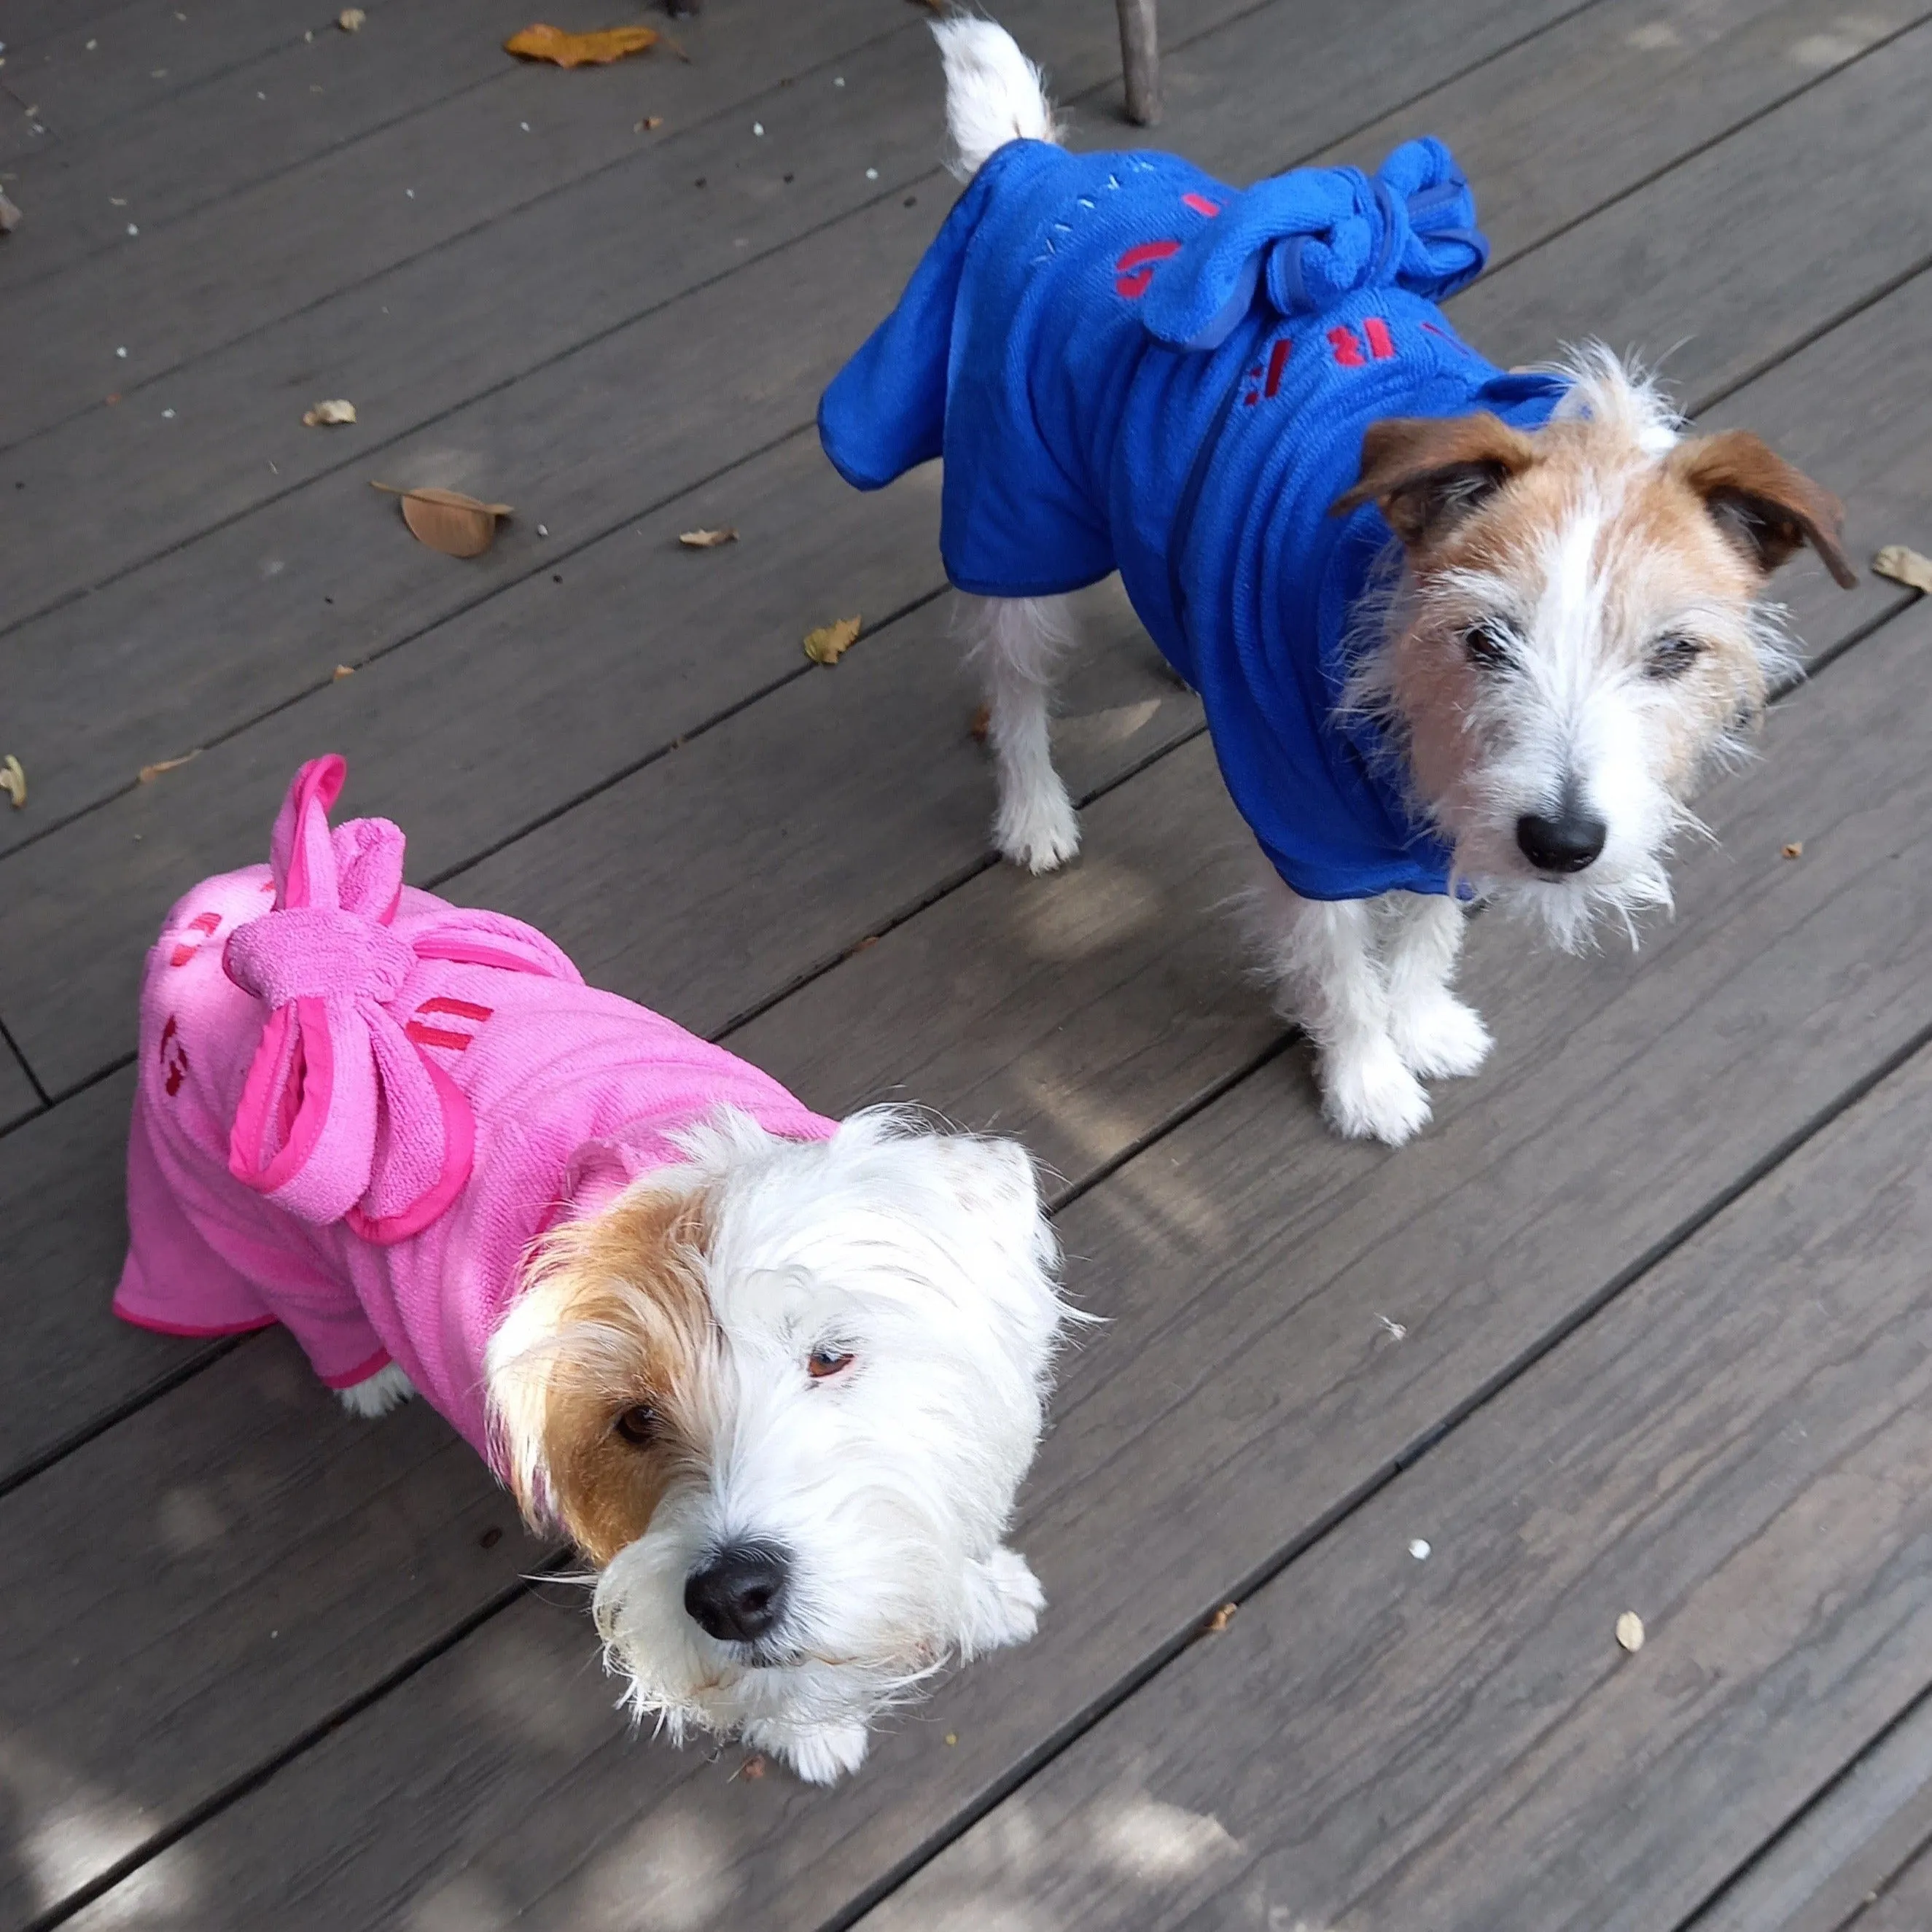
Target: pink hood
359,1105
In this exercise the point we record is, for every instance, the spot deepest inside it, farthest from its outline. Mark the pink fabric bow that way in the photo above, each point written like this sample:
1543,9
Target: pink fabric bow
342,1116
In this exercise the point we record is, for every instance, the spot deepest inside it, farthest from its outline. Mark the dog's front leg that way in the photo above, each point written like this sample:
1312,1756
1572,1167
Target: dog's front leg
1437,1035
1017,642
1321,954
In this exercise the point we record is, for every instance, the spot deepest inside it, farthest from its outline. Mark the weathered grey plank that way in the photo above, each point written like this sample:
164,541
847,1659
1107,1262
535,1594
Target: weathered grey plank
17,1097
209,635
306,1555
1702,264
69,1366
1738,1449
223,271
161,158
1845,1846
1246,1258
1905,1904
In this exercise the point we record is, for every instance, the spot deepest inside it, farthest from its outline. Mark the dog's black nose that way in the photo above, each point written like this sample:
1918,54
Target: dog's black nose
739,1594
1570,841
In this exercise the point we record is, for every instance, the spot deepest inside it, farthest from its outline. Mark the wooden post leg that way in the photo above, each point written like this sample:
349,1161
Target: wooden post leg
1140,58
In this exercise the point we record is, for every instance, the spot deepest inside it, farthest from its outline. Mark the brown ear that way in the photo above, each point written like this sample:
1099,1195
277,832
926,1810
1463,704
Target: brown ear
1767,507
1428,472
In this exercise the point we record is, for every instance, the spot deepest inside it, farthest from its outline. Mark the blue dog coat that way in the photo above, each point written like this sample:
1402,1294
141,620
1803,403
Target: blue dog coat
1127,365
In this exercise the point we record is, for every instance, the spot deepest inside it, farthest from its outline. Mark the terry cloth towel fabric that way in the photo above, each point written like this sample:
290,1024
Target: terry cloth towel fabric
359,1105
1128,365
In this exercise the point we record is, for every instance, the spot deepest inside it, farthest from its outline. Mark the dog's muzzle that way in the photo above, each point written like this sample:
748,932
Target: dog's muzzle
737,1594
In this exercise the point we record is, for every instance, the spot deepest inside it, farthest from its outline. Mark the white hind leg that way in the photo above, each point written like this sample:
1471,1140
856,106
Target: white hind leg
1018,643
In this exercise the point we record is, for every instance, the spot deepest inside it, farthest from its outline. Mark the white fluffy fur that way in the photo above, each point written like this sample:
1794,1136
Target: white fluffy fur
993,93
388,1388
1371,981
928,1258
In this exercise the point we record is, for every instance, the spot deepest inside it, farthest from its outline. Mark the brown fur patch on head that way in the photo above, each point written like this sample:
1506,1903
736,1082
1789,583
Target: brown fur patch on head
1764,505
614,1320
1427,473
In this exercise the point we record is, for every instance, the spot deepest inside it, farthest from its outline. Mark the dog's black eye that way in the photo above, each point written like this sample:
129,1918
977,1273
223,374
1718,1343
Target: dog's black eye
1672,657
1489,645
638,1424
822,1362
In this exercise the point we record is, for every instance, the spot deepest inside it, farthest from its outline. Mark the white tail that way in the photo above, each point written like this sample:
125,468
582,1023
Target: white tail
993,93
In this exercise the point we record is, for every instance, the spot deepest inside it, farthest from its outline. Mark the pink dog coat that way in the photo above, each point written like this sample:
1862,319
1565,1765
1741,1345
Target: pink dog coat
359,1105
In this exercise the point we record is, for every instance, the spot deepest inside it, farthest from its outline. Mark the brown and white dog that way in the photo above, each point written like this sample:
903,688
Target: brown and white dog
1571,630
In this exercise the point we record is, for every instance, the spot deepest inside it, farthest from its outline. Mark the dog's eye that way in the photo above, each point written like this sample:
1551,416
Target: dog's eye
1672,657
823,1362
638,1424
1489,645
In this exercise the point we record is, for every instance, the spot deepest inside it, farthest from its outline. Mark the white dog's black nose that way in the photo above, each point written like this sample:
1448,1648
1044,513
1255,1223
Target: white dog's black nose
1569,842
739,1594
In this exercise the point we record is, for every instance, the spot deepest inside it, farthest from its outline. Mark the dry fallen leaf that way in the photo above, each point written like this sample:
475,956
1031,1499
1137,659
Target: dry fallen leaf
148,773
350,20
982,723
753,1767
706,539
830,642
1220,1620
1629,1630
1795,850
447,520
1904,566
337,411
13,780
598,49
649,121
9,216
343,671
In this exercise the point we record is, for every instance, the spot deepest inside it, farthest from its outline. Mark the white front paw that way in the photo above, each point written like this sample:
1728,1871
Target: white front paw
820,1753
1004,1602
1039,830
388,1388
1439,1038
1368,1093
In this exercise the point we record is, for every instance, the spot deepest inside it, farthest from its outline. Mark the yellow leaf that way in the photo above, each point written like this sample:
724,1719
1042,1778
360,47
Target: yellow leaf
598,49
447,520
343,671
350,20
707,539
1904,566
336,412
148,773
13,780
830,642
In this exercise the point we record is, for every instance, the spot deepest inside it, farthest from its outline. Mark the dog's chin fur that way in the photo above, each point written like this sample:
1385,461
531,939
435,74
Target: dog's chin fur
1589,576
703,1292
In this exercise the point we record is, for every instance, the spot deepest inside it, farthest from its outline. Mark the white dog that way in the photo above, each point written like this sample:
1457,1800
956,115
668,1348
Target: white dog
777,1376
1461,633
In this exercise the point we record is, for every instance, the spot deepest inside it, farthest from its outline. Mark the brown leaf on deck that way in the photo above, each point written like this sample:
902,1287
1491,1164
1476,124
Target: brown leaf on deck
1220,1620
350,20
830,642
752,1768
148,773
1795,850
447,520
542,43
13,780
1904,566
343,671
649,121
706,539
339,410
982,723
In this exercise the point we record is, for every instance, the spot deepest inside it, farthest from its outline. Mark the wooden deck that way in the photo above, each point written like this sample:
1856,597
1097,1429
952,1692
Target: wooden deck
1643,1322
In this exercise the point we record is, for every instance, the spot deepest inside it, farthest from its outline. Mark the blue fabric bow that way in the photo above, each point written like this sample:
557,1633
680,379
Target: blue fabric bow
1312,236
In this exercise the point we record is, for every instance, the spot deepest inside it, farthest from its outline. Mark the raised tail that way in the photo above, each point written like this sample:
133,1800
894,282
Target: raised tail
993,93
